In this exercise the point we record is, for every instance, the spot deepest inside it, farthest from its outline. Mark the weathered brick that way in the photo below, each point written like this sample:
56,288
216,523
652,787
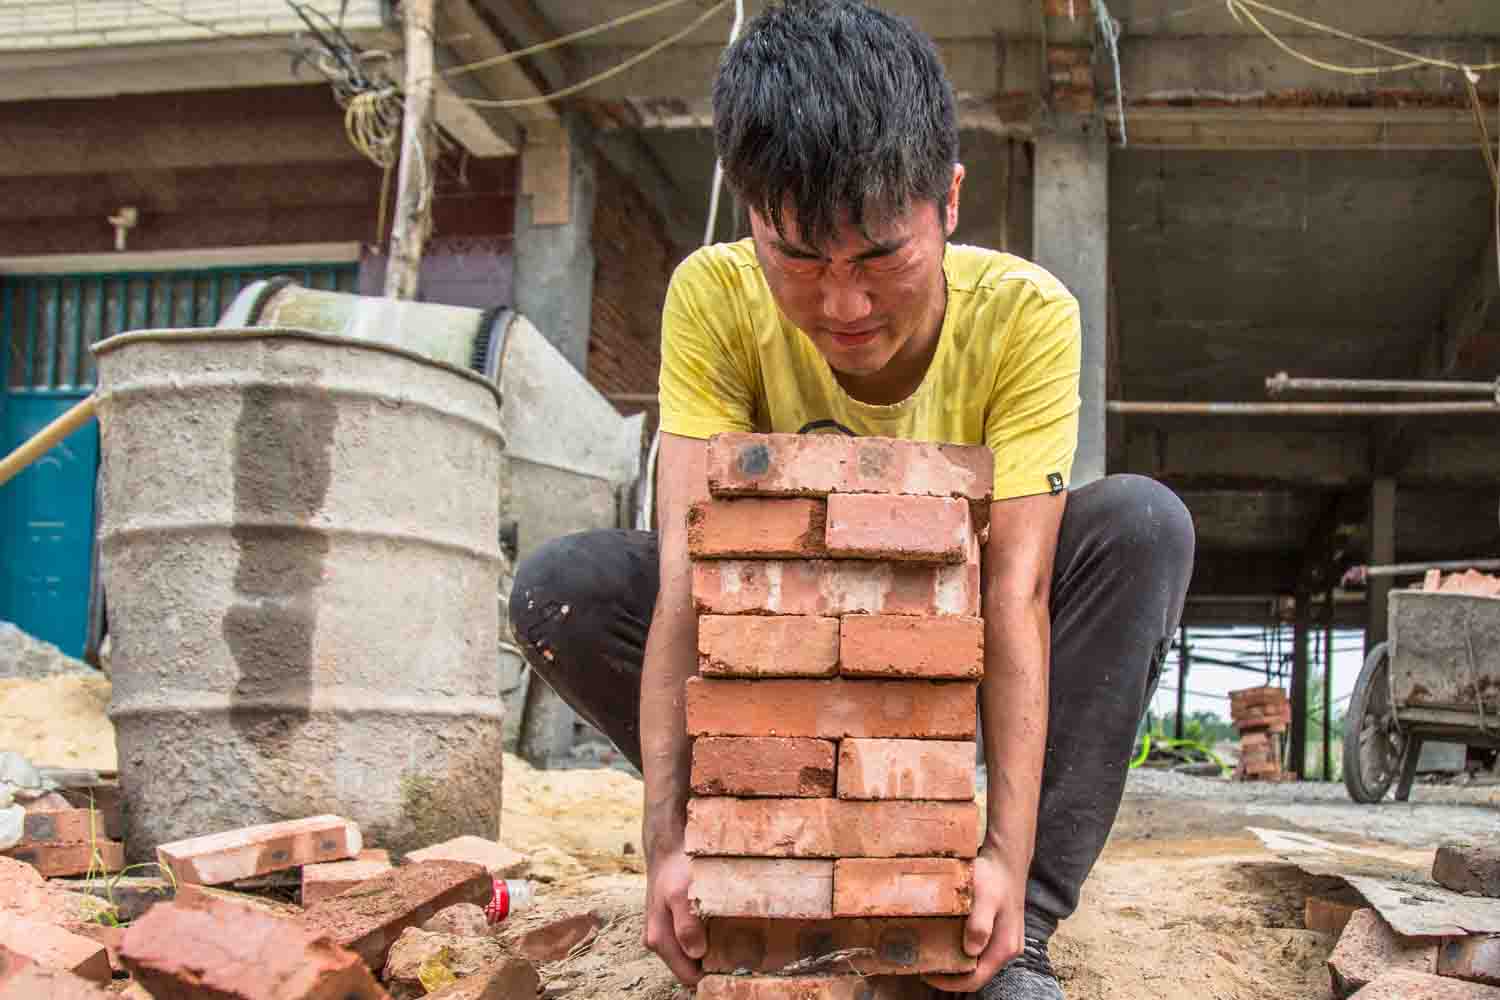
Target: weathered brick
757,528
54,948
1421,986
256,850
104,799
829,987
60,859
511,979
553,942
1475,958
832,709
330,878
902,887
819,464
768,646
190,893
903,646
499,860
834,587
831,828
889,946
53,826
757,766
415,951
370,917
32,982
1468,866
209,947
1328,916
908,529
1369,947
762,887
907,769
12,962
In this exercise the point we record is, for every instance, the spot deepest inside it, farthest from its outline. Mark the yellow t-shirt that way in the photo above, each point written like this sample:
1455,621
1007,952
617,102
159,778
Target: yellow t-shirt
1005,373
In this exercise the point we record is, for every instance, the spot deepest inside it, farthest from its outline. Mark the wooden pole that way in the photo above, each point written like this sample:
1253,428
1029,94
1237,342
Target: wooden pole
414,190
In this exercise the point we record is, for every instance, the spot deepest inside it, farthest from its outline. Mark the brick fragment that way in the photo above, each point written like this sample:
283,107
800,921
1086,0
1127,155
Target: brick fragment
195,894
109,936
1468,866
104,799
35,983
510,979
830,987
762,887
461,920
1369,947
53,826
25,893
330,878
831,828
256,850
416,951
938,770
894,946
832,709
205,946
768,646
1421,986
1475,958
499,860
55,860
834,587
1328,916
908,529
553,942
949,647
54,948
902,887
820,464
130,896
759,766
370,917
756,528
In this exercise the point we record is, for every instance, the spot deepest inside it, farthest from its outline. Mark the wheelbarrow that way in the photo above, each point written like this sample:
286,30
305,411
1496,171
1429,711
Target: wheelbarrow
1437,678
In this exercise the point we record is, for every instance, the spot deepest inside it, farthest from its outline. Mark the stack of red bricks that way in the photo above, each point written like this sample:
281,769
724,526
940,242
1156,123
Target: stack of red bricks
1261,715
63,836
833,823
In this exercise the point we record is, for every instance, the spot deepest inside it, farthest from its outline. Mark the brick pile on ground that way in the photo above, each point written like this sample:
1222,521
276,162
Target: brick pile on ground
72,832
1261,715
833,824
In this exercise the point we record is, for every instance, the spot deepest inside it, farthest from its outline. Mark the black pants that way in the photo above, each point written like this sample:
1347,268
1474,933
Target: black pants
582,605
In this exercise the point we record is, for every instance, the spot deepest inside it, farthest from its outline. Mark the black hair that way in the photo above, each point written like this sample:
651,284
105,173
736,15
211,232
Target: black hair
836,110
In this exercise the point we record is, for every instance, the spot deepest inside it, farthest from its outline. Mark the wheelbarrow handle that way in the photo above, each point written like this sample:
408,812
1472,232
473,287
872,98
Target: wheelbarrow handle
42,441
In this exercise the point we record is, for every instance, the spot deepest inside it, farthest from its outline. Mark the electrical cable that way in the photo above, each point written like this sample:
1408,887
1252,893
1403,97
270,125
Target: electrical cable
531,50
718,181
1109,28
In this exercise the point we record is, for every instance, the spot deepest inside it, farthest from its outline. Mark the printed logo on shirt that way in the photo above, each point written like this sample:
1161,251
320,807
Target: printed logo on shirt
1055,482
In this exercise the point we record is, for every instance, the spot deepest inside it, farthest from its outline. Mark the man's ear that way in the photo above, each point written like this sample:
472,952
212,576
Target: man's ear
950,205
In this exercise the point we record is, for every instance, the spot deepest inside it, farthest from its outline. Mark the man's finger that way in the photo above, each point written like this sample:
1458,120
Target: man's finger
691,936
979,928
661,937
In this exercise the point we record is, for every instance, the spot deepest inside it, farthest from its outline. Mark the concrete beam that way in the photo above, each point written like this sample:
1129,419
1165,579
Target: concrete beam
1257,128
464,29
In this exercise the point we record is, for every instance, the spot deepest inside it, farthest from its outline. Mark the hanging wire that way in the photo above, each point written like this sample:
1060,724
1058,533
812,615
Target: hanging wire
718,181
507,57
1109,28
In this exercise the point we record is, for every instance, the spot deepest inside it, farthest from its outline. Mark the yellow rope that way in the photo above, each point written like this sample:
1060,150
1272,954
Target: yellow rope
624,19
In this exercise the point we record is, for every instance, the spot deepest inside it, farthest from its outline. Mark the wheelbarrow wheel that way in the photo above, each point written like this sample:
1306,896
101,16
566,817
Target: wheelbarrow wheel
1374,746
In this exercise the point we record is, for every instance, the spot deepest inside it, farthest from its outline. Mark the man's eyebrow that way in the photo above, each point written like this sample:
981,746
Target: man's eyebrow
790,250
884,248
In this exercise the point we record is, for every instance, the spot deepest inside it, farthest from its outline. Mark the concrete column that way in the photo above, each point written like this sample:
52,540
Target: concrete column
1382,550
554,265
1071,239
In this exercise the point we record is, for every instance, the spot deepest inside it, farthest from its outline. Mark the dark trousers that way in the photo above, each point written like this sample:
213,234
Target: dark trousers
582,605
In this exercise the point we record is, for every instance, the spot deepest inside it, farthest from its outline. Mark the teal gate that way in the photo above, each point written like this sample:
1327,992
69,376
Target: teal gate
49,322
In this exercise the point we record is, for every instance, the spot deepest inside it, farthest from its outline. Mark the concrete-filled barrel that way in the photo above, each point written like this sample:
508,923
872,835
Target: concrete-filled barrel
300,548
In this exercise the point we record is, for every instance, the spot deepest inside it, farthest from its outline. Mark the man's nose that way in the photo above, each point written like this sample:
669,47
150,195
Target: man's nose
845,300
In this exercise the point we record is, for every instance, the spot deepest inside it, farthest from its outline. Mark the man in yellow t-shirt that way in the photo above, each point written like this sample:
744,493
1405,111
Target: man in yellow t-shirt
848,311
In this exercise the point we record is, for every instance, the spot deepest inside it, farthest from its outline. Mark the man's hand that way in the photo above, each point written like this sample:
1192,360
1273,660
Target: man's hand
996,930
673,931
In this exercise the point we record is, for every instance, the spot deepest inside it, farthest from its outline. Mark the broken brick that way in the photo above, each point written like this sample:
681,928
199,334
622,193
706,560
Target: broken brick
104,799
1369,947
906,769
762,887
768,646
1475,958
33,982
417,950
370,917
890,646
834,587
266,904
1469,867
25,893
1405,985
832,709
762,766
1328,916
256,850
78,826
902,887
109,936
330,878
902,528
881,946
755,528
831,828
54,948
60,859
497,859
554,941
460,920
205,946
826,987
510,979
820,464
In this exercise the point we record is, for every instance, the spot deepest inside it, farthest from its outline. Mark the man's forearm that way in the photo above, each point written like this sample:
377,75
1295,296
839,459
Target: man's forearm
1013,706
666,752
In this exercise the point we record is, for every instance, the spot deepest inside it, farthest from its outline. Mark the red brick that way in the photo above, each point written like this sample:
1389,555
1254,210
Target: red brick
35,983
552,942
889,526
207,894
12,962
104,799
1468,867
768,646
902,887
1369,947
756,528
753,766
762,887
54,948
1420,986
319,882
822,987
370,917
819,464
906,769
499,860
1475,958
209,947
1328,916
53,826
108,936
834,587
831,709
831,828
256,850
58,859
893,946
903,646
512,979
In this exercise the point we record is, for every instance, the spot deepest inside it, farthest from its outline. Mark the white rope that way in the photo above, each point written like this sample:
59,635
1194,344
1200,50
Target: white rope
1109,28
718,183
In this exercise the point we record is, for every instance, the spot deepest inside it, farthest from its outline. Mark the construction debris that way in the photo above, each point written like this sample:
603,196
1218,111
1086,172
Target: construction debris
1468,867
1261,715
52,947
257,850
1468,582
1421,986
1369,948
500,861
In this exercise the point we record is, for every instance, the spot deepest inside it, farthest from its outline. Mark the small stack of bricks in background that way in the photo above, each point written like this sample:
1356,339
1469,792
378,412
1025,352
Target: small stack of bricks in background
833,822
1261,715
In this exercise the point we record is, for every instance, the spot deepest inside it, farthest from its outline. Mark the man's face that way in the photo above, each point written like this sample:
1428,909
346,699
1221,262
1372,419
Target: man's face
863,299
